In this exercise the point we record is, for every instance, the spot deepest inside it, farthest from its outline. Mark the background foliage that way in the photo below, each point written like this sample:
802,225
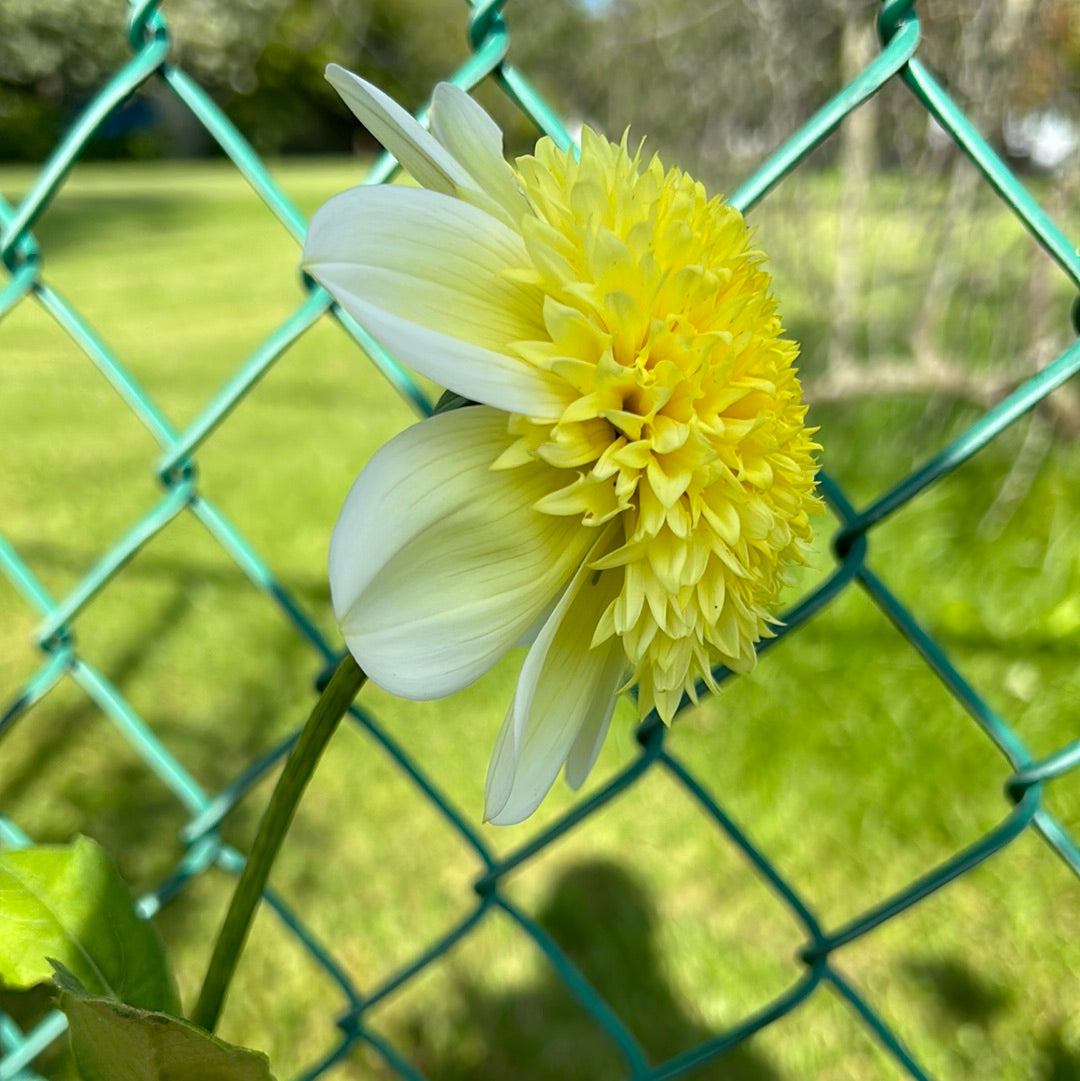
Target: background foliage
736,76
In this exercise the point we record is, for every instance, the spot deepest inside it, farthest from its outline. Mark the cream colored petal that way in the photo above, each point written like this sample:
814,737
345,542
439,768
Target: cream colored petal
423,273
428,258
586,748
438,565
500,775
476,142
479,374
429,162
565,696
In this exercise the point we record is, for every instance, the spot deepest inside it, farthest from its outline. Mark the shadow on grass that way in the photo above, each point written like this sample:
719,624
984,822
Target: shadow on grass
1060,1062
605,922
76,772
959,995
81,220
53,740
959,992
72,558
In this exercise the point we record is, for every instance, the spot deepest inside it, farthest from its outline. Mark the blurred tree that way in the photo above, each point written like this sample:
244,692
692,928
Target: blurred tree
715,83
719,83
44,65
262,59
405,46
710,81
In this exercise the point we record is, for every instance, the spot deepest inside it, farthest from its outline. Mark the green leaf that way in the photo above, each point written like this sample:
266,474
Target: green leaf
114,1042
68,902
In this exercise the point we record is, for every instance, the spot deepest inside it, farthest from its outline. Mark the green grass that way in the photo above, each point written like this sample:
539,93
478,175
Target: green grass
841,755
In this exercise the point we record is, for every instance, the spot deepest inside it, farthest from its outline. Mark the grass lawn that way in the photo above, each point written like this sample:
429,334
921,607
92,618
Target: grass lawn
842,756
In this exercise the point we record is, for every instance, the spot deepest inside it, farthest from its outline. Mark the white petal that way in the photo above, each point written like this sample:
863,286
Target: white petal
429,162
410,285
481,375
532,632
428,258
476,142
439,564
586,748
565,697
502,769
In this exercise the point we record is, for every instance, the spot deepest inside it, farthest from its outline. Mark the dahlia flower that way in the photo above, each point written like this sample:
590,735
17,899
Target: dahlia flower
634,481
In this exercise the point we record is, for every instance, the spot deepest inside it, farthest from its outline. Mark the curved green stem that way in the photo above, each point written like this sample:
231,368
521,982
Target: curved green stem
328,711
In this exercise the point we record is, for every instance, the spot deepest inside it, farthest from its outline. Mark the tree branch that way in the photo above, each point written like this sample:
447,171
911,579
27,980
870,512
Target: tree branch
931,375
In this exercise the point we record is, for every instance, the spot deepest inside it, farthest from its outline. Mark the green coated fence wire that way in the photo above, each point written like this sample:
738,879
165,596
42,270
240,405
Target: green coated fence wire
176,469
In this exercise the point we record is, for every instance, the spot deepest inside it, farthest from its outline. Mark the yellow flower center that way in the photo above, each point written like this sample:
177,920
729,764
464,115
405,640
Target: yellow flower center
688,425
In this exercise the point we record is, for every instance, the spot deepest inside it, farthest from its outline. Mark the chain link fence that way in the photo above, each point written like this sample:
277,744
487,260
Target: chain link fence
1025,777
